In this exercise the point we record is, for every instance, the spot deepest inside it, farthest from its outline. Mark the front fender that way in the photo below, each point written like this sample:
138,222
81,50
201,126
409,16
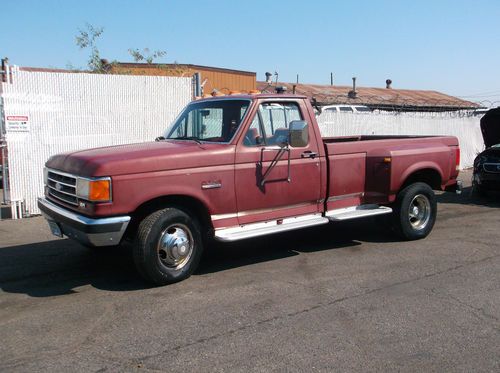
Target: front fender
131,191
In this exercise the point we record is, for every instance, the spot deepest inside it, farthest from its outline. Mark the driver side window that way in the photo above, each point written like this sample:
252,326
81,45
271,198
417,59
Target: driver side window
254,135
271,122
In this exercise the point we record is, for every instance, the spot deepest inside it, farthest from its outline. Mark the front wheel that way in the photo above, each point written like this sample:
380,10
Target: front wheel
168,246
415,211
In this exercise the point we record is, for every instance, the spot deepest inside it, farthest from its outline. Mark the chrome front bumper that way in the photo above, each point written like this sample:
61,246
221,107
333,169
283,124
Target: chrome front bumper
88,231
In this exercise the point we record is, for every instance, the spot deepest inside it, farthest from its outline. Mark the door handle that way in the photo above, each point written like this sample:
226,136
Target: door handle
309,154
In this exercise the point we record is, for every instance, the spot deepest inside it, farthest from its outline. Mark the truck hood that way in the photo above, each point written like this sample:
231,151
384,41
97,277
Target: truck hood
490,127
143,157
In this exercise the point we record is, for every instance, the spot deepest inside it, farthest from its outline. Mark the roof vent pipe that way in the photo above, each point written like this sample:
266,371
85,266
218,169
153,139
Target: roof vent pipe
388,83
353,93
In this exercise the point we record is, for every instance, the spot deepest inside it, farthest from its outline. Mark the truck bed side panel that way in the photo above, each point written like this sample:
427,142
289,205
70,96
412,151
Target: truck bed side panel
388,162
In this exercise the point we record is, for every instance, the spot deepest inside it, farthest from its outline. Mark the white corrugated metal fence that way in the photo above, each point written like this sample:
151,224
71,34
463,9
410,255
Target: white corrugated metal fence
50,113
463,125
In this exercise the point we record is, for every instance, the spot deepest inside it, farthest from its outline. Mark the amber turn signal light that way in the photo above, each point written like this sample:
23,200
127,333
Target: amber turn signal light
98,190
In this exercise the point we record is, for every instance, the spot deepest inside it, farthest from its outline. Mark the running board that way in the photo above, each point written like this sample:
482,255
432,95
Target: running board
355,212
270,227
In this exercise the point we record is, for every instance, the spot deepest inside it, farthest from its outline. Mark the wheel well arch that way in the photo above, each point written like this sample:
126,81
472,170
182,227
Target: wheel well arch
430,176
188,204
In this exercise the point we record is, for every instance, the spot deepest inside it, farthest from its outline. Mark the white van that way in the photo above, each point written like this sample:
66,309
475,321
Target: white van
346,109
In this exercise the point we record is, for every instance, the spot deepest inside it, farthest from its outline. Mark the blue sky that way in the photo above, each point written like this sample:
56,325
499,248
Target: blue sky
444,45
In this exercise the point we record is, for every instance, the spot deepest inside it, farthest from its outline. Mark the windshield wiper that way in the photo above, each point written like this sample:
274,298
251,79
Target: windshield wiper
193,138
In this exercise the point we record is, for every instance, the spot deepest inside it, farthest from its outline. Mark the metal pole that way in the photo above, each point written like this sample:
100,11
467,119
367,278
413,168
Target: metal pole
7,74
3,151
197,85
5,177
331,78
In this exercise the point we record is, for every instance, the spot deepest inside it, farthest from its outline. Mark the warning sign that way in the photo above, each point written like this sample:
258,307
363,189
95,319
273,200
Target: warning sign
17,123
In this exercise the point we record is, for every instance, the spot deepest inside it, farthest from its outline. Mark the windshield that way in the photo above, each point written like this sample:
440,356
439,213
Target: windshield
213,121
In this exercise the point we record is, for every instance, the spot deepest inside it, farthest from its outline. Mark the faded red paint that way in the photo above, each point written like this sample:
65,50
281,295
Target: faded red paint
348,171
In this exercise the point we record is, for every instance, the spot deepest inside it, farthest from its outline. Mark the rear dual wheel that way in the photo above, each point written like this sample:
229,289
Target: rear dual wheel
168,246
415,211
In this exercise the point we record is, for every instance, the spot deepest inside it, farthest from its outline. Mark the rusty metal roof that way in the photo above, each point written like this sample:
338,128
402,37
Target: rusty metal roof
376,98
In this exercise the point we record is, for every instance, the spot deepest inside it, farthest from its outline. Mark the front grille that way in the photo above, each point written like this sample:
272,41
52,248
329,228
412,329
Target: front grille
492,167
62,186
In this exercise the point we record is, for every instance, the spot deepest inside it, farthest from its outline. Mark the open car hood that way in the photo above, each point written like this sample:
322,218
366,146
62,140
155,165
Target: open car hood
490,127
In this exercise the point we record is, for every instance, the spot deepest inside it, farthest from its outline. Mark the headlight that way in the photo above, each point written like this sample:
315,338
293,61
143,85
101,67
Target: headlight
45,175
95,190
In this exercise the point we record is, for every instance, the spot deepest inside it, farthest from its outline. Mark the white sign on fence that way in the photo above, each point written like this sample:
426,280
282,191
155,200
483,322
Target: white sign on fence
17,123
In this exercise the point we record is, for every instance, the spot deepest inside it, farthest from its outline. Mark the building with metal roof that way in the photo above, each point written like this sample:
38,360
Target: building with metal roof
376,98
211,78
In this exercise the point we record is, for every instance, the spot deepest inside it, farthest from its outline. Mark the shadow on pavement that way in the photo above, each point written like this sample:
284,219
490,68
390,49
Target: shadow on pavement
58,267
331,236
469,197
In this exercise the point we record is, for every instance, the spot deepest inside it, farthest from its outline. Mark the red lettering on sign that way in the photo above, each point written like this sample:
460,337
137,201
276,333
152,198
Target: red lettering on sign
17,118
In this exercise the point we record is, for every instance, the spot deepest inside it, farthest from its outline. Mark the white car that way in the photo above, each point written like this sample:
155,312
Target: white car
346,109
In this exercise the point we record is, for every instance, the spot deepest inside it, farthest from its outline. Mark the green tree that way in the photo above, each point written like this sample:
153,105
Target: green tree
146,55
87,38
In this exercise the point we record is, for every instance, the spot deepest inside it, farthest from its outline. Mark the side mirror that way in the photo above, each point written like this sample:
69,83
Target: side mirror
298,134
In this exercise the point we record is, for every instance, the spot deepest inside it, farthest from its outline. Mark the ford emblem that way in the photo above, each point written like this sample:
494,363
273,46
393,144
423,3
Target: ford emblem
58,186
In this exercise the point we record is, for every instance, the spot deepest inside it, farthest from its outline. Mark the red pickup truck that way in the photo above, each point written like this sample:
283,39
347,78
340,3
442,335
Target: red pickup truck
236,167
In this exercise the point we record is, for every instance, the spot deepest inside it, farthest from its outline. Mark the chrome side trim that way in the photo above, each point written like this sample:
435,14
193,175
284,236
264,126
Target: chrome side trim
270,227
345,196
224,216
262,211
271,209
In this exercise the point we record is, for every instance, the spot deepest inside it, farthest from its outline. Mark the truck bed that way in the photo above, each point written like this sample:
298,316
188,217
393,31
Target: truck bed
371,169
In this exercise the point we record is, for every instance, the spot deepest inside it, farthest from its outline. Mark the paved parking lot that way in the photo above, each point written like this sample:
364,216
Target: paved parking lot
335,298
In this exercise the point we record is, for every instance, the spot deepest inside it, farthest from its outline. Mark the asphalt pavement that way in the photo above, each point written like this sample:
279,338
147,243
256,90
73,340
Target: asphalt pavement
342,297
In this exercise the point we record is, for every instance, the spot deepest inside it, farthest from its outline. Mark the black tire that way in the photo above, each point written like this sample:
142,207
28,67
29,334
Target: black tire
168,246
479,190
415,211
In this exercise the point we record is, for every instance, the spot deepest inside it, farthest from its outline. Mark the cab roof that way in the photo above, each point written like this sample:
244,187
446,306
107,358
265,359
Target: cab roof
281,96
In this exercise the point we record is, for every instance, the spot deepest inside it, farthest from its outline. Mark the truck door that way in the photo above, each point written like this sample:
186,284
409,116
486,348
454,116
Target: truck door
289,188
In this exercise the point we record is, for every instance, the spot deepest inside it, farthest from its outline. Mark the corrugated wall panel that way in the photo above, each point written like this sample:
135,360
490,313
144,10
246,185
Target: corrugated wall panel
69,112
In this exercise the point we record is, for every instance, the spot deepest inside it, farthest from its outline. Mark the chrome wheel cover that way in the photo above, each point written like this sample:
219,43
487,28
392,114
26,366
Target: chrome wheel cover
419,212
175,246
